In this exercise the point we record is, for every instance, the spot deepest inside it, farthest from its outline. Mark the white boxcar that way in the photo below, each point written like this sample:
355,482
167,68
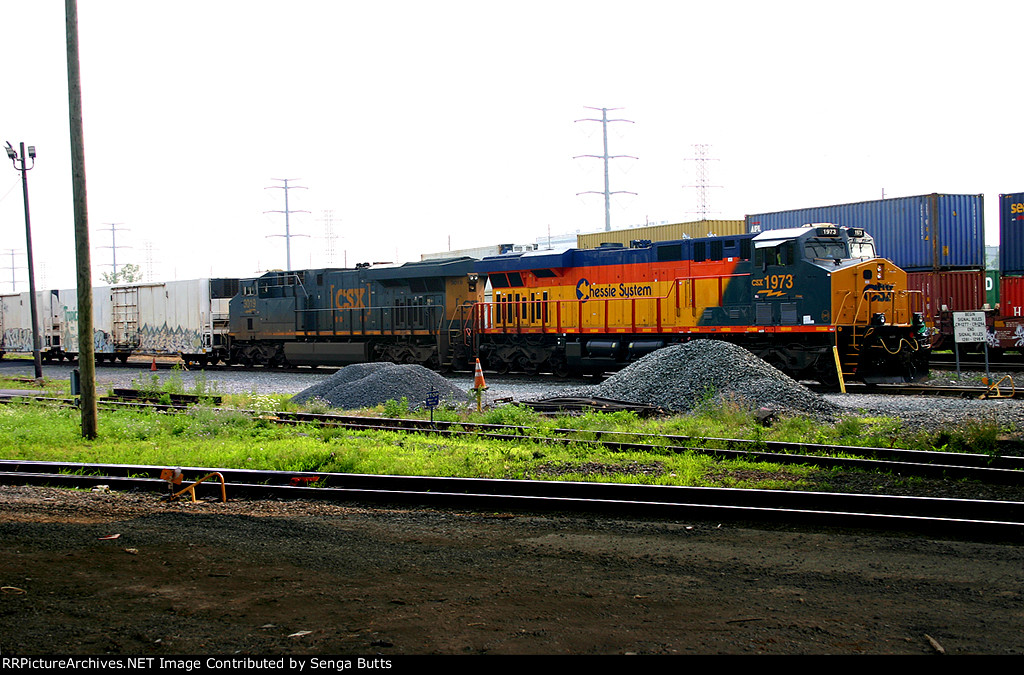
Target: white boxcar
177,318
16,319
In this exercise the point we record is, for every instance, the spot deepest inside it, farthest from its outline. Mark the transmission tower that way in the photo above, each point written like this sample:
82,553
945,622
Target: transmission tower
13,268
149,260
113,245
287,212
327,219
702,186
607,192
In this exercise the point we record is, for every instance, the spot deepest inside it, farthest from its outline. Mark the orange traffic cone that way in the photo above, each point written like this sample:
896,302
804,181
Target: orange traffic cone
479,385
478,377
153,367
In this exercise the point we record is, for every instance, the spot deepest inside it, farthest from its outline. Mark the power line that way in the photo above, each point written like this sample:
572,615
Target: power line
607,192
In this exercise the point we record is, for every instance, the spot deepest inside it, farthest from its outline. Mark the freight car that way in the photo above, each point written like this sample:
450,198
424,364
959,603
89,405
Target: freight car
175,318
790,296
413,313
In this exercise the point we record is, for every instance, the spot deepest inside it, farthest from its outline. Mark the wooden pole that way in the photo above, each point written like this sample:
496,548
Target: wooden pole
86,357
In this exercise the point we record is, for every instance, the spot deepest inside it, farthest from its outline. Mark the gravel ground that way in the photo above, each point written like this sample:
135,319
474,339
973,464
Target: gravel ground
274,578
915,411
364,385
683,377
347,579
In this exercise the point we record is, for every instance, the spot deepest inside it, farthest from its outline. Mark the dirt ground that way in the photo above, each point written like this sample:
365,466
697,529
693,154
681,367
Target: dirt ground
279,578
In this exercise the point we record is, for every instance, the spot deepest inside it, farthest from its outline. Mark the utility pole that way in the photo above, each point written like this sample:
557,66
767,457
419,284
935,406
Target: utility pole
113,248
607,193
287,225
702,159
86,357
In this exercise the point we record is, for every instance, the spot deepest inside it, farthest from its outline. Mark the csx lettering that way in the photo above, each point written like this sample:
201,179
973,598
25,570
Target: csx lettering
350,297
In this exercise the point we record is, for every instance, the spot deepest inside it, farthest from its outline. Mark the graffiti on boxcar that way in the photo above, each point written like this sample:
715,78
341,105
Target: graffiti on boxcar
17,340
169,340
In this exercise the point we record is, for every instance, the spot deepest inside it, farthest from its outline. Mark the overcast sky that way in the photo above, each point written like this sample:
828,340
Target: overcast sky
424,126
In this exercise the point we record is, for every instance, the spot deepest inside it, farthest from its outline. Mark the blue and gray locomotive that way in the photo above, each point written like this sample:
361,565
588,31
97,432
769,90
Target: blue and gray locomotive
414,313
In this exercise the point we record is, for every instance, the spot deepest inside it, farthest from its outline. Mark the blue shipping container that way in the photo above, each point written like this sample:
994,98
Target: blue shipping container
928,232
1011,233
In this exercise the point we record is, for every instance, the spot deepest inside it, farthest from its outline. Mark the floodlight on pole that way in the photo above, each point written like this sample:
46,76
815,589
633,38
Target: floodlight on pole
15,160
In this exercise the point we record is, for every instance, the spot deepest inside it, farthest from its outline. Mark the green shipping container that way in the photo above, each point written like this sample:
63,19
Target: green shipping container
992,287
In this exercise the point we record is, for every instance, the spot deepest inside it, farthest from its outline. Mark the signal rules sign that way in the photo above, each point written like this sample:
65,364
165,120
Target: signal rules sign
969,327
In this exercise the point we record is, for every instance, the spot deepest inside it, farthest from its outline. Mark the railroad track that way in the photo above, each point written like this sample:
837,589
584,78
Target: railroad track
1002,468
1004,390
972,518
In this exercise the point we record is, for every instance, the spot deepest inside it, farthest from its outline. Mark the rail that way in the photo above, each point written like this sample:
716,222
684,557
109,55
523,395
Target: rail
982,519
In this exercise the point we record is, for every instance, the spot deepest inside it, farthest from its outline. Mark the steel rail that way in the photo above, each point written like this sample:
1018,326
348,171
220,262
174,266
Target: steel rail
972,518
992,469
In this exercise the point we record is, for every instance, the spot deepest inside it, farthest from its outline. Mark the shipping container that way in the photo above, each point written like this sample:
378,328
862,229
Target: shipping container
949,290
992,288
672,232
924,233
1011,296
1011,233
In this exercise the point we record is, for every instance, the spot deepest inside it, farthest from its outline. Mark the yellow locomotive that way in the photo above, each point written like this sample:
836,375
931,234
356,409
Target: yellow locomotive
813,301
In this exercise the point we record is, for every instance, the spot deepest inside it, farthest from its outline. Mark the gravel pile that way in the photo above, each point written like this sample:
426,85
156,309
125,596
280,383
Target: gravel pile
682,377
364,385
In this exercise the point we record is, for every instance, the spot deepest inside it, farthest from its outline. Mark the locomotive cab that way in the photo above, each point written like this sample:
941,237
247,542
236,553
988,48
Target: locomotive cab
828,274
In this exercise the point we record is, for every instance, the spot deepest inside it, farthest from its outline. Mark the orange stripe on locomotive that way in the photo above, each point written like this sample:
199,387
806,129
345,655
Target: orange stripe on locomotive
612,298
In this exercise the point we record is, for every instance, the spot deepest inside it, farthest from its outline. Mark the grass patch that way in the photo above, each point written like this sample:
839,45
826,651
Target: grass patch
232,437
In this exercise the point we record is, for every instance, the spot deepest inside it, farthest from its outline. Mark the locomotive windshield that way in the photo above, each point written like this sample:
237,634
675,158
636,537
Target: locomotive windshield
828,249
862,248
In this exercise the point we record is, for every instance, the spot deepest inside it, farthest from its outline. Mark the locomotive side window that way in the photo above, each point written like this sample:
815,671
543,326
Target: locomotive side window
515,279
787,253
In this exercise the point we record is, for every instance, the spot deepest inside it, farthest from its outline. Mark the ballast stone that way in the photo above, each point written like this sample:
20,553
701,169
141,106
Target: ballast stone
364,385
682,377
